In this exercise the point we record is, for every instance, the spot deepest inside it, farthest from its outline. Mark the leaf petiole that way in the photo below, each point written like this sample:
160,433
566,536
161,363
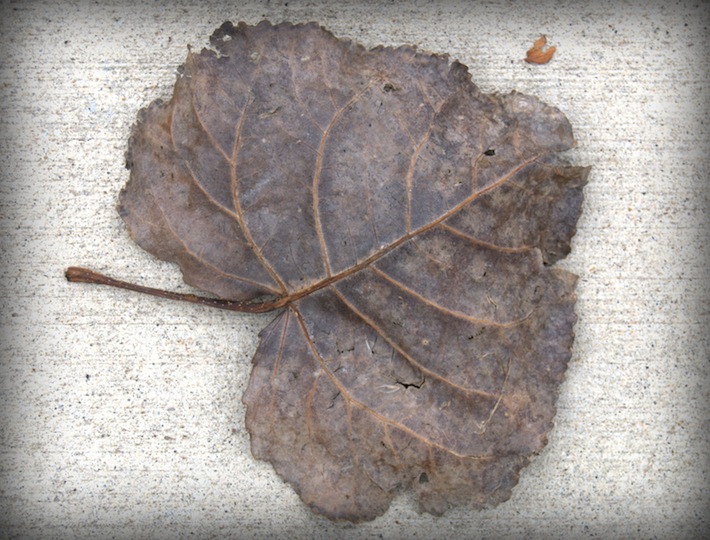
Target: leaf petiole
76,274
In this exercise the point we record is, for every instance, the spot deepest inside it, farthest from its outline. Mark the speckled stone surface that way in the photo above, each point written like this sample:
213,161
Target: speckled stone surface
122,414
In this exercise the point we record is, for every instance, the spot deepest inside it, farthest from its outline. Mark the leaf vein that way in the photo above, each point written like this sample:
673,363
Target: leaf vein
427,371
207,131
473,240
317,173
375,414
448,311
182,242
279,356
415,157
238,209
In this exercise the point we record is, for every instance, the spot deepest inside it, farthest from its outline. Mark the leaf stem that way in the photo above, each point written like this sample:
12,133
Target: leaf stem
75,274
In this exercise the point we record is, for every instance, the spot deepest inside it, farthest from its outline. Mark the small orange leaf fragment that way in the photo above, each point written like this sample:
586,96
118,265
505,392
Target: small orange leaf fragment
536,55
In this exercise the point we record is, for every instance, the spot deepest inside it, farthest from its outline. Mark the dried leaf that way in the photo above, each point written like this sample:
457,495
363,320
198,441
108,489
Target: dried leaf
403,223
536,55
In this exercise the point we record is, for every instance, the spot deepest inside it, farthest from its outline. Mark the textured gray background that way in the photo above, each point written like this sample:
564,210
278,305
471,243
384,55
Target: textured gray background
122,414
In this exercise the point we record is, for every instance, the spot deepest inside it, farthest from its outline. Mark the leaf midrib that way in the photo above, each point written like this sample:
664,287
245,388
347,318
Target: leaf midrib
261,307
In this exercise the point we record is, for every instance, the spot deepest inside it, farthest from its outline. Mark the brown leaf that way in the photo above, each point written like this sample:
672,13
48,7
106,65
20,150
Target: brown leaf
404,222
536,55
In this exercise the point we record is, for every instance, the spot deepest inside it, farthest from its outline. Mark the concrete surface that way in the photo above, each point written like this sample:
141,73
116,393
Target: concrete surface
122,415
